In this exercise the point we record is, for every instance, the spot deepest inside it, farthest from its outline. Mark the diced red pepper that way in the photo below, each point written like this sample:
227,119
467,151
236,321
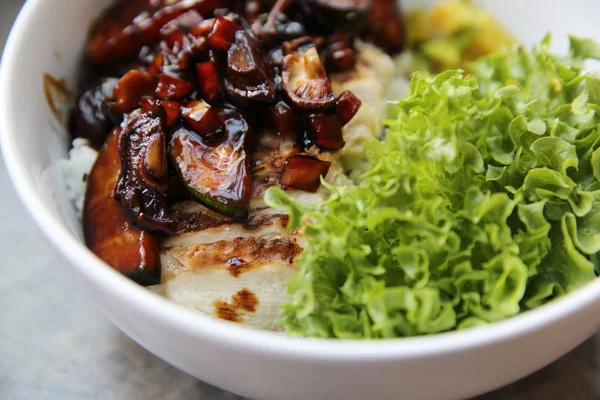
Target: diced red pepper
150,104
304,172
203,28
172,88
347,106
198,47
285,120
222,35
172,112
174,38
327,131
131,88
169,111
202,119
209,81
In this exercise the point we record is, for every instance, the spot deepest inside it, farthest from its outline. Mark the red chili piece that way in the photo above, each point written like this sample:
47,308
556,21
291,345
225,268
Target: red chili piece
222,35
172,88
327,131
347,106
131,88
304,172
202,119
209,81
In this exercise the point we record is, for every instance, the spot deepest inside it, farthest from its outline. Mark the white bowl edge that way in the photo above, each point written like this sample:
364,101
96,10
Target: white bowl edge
210,329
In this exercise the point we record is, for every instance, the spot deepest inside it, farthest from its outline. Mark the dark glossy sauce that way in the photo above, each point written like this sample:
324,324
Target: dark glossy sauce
193,84
56,93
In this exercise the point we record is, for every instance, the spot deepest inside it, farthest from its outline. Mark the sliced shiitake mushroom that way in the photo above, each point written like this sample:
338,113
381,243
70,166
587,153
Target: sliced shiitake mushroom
275,28
247,80
305,81
211,144
142,187
91,119
217,174
108,233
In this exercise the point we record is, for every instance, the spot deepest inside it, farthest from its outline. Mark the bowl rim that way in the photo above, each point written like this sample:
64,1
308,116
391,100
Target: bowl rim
235,335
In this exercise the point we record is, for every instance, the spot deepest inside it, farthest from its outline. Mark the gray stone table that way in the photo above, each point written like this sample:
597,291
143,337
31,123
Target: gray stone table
55,344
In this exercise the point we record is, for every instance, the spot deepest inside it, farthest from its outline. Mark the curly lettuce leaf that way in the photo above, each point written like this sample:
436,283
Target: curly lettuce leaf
482,201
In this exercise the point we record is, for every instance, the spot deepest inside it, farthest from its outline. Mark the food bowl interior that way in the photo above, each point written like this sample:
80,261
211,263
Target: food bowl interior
34,136
48,38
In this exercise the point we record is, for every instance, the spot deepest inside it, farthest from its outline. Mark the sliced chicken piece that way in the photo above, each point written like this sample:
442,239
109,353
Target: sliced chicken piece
211,277
238,271
211,270
235,270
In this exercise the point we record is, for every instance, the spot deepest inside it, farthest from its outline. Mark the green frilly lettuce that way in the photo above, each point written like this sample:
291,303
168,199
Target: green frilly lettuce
482,201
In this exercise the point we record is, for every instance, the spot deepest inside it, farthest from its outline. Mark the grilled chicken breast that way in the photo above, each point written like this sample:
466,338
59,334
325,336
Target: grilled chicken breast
239,271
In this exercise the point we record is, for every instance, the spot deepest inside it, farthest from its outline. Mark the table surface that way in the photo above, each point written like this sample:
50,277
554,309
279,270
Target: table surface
55,344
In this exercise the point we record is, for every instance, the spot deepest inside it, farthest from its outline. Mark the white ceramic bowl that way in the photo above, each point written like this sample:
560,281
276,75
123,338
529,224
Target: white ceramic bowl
48,38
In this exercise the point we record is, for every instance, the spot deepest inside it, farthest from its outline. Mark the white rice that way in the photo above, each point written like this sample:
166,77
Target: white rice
75,170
